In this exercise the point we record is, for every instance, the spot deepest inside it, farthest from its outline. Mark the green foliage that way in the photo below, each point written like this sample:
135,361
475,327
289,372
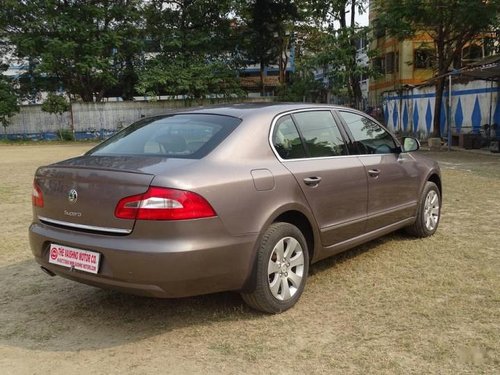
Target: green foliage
85,47
8,102
190,27
330,44
194,50
194,79
93,49
55,104
446,21
302,88
268,26
65,135
338,53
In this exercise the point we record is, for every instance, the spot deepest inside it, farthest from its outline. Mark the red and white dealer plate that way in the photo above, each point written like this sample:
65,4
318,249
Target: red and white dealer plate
78,259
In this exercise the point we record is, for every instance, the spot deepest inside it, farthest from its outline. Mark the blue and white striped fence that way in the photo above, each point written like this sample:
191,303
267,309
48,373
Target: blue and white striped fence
474,105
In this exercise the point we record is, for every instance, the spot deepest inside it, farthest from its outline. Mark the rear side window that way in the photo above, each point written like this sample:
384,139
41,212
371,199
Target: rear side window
286,139
321,134
369,137
181,136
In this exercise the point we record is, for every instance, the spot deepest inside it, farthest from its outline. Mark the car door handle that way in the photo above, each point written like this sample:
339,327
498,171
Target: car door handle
373,172
312,181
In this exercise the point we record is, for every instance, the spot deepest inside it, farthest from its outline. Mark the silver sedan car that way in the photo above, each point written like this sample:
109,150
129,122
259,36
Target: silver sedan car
242,197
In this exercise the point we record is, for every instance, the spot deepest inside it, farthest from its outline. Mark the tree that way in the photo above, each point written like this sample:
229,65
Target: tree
192,49
85,47
451,24
335,44
267,34
56,104
8,101
195,79
302,86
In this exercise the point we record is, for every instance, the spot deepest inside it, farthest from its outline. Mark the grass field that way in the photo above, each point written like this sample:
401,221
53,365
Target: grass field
397,305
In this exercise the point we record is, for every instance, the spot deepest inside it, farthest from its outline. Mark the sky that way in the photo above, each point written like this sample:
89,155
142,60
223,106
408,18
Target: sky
362,19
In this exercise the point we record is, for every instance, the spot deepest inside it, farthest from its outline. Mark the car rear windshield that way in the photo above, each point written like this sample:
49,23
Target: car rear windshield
190,136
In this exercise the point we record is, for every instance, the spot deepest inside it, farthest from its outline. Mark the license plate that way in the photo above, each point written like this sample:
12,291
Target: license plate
78,259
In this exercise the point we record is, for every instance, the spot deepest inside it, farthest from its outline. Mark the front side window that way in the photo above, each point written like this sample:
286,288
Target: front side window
369,137
181,136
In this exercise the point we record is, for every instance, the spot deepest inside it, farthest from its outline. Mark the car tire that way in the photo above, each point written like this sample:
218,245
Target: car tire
428,212
281,269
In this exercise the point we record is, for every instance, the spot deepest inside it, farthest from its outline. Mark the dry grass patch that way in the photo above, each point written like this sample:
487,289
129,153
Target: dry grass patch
396,305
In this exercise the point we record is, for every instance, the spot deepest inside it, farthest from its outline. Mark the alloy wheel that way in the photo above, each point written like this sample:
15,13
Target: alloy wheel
431,210
286,268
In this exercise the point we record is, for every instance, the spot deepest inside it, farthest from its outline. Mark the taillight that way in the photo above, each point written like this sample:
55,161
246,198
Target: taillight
37,196
164,204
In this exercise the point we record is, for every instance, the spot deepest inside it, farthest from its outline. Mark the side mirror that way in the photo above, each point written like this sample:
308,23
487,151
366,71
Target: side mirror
410,144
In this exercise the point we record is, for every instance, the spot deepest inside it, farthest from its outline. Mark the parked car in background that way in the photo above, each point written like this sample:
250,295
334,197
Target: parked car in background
242,197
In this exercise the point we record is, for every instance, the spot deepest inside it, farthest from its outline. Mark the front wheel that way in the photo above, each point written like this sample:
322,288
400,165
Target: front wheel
281,269
428,212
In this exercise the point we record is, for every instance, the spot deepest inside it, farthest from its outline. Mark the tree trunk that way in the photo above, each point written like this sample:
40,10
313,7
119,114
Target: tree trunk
353,78
72,119
436,127
262,83
130,79
87,96
442,69
283,59
280,59
356,90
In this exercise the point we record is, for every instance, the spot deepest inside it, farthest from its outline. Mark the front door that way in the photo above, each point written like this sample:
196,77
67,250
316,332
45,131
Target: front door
392,175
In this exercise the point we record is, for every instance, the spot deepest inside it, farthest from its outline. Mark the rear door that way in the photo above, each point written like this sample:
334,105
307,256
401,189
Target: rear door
311,146
392,175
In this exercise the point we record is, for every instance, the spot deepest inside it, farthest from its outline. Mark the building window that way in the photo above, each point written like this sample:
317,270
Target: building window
378,29
389,63
378,64
361,43
423,58
491,46
472,52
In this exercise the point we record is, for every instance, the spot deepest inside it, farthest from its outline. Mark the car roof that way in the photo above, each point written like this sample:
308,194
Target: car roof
244,110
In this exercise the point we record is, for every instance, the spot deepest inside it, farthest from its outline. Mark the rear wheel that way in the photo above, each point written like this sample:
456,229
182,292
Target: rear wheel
428,212
281,270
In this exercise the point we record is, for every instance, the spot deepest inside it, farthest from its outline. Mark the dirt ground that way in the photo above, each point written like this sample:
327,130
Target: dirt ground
397,305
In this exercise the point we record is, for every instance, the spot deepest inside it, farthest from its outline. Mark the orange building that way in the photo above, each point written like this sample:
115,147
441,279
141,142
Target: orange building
407,63
400,63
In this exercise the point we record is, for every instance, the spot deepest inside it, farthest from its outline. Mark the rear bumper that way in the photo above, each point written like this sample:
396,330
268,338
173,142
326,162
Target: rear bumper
167,265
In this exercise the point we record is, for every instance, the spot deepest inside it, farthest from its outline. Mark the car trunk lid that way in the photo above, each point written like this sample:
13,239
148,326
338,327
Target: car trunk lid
82,193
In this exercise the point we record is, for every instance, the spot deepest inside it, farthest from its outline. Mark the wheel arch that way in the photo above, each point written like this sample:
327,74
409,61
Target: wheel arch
297,217
420,227
299,220
434,177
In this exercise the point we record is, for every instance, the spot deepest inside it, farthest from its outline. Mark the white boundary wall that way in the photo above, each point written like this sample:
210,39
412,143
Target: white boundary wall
474,104
92,116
